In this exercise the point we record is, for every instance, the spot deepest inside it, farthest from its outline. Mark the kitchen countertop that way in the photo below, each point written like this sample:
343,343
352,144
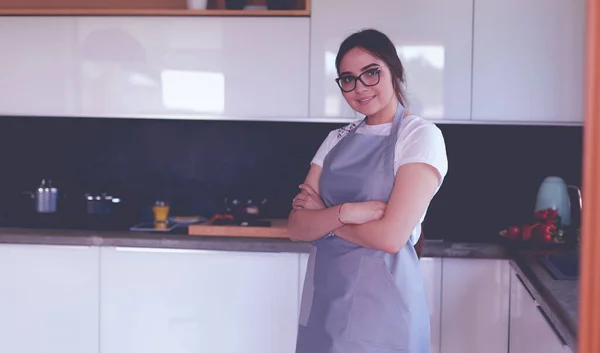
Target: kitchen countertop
180,240
558,298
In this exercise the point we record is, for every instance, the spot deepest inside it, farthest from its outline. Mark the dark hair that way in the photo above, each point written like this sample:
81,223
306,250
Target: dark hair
379,45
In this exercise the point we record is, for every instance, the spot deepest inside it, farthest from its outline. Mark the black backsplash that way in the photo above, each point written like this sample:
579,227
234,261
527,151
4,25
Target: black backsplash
494,171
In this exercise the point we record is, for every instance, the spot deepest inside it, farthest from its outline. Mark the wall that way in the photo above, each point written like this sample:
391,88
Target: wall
494,171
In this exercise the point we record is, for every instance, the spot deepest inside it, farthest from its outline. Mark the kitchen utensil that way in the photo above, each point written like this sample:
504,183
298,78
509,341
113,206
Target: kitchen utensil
553,193
45,197
101,203
274,228
244,209
154,227
183,220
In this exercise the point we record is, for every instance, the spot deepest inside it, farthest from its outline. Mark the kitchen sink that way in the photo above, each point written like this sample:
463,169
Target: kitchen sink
562,266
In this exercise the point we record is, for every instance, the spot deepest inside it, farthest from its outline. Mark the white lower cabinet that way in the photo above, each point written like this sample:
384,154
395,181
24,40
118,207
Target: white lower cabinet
48,299
475,305
303,268
77,299
529,330
184,301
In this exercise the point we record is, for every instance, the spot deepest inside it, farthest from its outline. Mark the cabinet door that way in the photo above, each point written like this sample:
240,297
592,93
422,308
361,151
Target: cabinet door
475,306
433,40
160,300
431,269
49,299
528,60
38,65
529,330
180,67
302,277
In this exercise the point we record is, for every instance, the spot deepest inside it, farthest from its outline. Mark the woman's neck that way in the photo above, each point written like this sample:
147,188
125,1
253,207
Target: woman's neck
385,115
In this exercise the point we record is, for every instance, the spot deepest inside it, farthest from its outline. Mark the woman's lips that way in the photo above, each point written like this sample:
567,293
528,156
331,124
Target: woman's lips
365,100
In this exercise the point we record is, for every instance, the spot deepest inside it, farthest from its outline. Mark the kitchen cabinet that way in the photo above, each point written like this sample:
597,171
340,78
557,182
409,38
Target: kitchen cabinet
431,269
475,305
529,330
49,299
170,300
433,40
38,66
528,64
157,67
301,278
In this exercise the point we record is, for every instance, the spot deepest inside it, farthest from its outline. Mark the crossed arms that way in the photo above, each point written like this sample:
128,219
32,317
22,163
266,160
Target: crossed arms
372,224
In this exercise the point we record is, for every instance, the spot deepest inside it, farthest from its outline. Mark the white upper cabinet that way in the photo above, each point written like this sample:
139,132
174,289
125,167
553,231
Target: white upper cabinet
38,66
528,61
180,67
433,39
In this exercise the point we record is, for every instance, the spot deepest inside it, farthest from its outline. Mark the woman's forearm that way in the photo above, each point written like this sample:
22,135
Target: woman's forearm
309,225
369,235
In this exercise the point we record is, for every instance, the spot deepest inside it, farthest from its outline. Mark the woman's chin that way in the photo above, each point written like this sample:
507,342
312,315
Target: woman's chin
366,111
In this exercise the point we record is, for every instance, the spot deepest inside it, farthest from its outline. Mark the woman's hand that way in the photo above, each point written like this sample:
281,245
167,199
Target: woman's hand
362,212
307,199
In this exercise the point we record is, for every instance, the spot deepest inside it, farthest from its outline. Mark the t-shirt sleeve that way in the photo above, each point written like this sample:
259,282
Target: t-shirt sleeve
423,143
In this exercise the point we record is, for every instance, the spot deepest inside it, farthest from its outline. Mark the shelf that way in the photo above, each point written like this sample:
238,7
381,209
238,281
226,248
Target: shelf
151,12
146,8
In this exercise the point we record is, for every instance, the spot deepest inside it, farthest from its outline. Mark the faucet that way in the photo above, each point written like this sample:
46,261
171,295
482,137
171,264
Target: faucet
578,196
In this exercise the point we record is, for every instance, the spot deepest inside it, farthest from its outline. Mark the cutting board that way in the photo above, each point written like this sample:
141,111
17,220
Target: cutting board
278,229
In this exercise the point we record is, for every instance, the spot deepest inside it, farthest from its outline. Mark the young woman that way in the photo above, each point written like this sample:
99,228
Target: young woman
361,205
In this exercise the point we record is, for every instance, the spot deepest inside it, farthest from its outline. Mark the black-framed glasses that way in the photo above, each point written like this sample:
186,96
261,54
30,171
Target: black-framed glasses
370,77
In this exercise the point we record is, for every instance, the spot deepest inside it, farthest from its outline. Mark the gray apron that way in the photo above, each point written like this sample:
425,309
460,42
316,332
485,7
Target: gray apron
356,299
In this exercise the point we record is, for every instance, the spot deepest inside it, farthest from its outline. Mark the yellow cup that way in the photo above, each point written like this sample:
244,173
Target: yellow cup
161,211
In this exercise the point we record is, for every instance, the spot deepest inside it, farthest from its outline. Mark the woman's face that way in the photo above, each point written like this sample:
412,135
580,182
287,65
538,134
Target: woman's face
371,98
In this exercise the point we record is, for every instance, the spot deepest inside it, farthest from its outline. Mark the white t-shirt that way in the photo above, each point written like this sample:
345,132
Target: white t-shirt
419,141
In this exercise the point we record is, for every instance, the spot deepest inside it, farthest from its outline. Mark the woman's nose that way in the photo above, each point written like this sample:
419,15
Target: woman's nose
360,87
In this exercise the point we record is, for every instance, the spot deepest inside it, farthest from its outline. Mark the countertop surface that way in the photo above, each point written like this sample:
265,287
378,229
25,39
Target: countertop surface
180,240
558,298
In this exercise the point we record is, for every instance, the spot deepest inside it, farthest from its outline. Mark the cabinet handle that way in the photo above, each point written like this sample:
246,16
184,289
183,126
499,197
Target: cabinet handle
558,335
47,246
165,250
527,289
196,251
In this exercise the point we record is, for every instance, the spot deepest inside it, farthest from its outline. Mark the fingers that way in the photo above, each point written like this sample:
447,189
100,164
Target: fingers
308,189
299,200
303,197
